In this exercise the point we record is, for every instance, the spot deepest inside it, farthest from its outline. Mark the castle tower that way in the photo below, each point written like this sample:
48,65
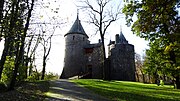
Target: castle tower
121,55
74,60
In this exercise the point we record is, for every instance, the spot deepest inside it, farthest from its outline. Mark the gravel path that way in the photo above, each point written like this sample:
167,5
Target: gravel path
63,90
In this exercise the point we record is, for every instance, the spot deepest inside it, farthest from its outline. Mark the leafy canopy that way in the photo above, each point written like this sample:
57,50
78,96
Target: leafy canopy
159,22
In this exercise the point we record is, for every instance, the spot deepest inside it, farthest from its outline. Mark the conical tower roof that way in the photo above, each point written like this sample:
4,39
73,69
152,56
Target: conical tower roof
122,39
77,28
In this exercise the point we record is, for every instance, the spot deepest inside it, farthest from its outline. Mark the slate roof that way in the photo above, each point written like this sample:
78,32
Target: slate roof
77,28
122,39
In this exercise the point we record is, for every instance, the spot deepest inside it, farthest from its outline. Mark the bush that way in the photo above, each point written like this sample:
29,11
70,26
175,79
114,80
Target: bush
162,82
8,70
51,76
34,77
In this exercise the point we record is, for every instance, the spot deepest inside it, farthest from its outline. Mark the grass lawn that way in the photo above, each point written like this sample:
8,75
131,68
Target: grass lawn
130,91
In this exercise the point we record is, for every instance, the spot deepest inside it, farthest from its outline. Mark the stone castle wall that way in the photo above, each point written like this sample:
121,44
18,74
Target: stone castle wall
74,60
122,64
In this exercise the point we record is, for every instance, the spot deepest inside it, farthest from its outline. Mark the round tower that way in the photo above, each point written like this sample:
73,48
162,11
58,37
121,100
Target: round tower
74,60
121,55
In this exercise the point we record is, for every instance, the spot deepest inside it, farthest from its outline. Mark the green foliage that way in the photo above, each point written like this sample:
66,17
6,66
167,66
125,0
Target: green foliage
154,18
159,22
36,75
33,77
21,75
162,82
8,69
51,76
130,91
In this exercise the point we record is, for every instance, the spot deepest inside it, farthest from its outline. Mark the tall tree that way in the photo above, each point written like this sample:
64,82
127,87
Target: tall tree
31,49
46,51
158,20
20,52
155,60
8,31
102,13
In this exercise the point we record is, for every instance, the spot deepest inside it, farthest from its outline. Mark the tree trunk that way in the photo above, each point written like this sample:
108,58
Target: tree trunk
137,76
45,57
16,67
149,78
44,68
105,68
177,82
28,59
30,68
1,10
173,58
38,75
20,55
7,38
143,78
142,75
4,54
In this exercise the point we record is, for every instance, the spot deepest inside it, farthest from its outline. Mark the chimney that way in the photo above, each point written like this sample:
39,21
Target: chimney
99,40
117,39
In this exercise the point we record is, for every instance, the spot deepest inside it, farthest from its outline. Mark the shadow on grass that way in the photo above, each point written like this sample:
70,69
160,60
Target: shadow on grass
131,91
28,91
68,91
128,96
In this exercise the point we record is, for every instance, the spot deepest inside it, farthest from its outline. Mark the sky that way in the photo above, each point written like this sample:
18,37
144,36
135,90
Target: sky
67,10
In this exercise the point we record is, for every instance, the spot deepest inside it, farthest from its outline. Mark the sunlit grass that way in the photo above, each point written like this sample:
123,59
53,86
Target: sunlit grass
131,91
53,95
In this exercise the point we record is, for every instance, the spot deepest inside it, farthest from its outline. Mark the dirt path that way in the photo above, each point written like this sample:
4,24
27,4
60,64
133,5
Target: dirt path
63,90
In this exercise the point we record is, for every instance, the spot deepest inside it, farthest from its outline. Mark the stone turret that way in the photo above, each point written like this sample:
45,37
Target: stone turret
121,55
77,28
74,60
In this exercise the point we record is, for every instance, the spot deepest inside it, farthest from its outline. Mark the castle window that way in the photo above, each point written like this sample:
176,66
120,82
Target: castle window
88,50
73,37
89,58
83,38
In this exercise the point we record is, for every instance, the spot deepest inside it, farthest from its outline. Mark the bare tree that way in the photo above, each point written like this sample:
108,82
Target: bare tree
46,41
46,51
32,45
139,67
44,29
102,17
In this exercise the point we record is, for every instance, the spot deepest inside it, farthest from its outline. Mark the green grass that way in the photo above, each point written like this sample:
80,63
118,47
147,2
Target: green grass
130,91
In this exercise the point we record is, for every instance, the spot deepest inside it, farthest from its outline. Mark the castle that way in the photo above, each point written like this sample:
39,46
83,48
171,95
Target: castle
85,60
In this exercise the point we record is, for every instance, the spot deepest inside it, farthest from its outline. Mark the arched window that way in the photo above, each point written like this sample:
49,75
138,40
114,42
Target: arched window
83,38
73,37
